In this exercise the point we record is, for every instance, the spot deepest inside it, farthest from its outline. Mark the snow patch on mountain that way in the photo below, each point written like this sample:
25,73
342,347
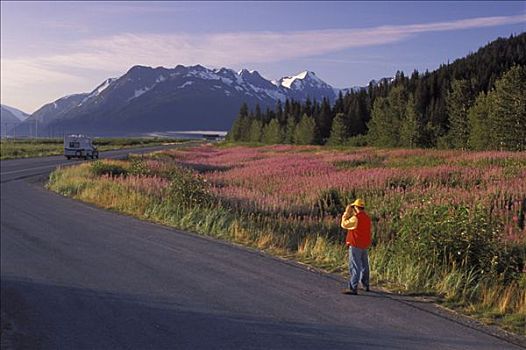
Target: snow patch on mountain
227,81
276,95
140,92
287,81
270,93
206,75
103,86
186,83
298,81
98,90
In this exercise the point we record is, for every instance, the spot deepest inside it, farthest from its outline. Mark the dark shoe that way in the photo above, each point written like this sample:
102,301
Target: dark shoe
349,292
367,289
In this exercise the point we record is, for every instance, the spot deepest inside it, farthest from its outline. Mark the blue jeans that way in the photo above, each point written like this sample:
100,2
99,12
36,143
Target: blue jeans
358,267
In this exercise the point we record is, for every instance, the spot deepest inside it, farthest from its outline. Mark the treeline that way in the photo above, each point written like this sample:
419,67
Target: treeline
476,102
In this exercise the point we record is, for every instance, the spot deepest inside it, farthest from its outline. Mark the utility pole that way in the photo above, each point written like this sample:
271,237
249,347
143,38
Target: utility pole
36,128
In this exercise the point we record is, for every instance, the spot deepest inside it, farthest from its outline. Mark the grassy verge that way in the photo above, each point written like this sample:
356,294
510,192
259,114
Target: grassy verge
450,251
28,148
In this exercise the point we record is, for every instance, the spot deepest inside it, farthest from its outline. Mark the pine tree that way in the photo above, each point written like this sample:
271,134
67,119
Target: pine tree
280,116
339,131
234,133
324,121
339,104
307,107
257,113
256,129
398,97
380,124
272,132
387,113
508,115
458,101
354,117
305,131
287,108
409,128
480,132
241,127
289,130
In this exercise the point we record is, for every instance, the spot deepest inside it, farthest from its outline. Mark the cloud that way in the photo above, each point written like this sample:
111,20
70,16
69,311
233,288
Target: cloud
118,52
256,47
25,72
115,54
65,25
138,8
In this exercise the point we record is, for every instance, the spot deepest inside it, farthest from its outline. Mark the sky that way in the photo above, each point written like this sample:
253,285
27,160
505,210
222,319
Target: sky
53,49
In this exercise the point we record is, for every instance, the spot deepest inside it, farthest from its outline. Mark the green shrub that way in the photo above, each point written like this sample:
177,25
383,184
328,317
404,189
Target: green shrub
139,167
357,141
459,237
189,190
330,202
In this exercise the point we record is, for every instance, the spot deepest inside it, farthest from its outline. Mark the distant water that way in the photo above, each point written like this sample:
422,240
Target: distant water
197,134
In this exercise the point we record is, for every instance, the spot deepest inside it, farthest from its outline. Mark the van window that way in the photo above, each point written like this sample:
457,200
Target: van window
74,145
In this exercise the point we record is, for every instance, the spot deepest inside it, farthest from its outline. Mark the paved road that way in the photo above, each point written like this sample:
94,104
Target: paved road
77,277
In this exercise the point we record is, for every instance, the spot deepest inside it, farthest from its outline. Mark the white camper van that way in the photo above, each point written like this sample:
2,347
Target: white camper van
79,146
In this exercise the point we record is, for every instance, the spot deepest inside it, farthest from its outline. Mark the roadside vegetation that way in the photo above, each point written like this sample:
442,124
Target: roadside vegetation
27,148
449,224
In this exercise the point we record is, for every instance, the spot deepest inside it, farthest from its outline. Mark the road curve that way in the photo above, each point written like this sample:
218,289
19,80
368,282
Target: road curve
77,277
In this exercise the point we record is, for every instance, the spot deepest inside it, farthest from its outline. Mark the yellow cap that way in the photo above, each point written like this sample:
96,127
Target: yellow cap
360,203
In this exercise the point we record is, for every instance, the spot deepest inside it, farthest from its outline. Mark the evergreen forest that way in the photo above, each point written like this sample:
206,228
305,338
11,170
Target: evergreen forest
477,102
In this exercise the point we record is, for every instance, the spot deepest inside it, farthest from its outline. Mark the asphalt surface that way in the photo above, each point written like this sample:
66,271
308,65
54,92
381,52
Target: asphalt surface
77,277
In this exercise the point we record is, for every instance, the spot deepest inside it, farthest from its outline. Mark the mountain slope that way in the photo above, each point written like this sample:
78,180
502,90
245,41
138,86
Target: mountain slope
10,118
307,85
47,113
16,112
7,121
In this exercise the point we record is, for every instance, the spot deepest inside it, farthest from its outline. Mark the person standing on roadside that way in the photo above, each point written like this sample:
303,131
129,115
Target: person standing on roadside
358,239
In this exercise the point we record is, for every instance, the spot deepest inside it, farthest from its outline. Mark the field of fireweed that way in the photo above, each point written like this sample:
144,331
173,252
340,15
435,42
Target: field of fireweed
446,223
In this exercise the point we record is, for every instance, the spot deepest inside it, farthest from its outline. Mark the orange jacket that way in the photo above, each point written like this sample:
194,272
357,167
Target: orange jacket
360,237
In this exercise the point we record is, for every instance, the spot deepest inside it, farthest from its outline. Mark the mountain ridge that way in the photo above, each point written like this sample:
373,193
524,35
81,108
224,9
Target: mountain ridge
147,99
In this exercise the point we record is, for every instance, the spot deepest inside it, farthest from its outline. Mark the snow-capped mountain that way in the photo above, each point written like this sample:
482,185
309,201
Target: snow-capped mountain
181,98
307,84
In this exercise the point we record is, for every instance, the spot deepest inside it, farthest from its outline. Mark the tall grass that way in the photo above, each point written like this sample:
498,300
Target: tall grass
446,223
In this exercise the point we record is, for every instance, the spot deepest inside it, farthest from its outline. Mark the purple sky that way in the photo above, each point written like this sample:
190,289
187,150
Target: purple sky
52,49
